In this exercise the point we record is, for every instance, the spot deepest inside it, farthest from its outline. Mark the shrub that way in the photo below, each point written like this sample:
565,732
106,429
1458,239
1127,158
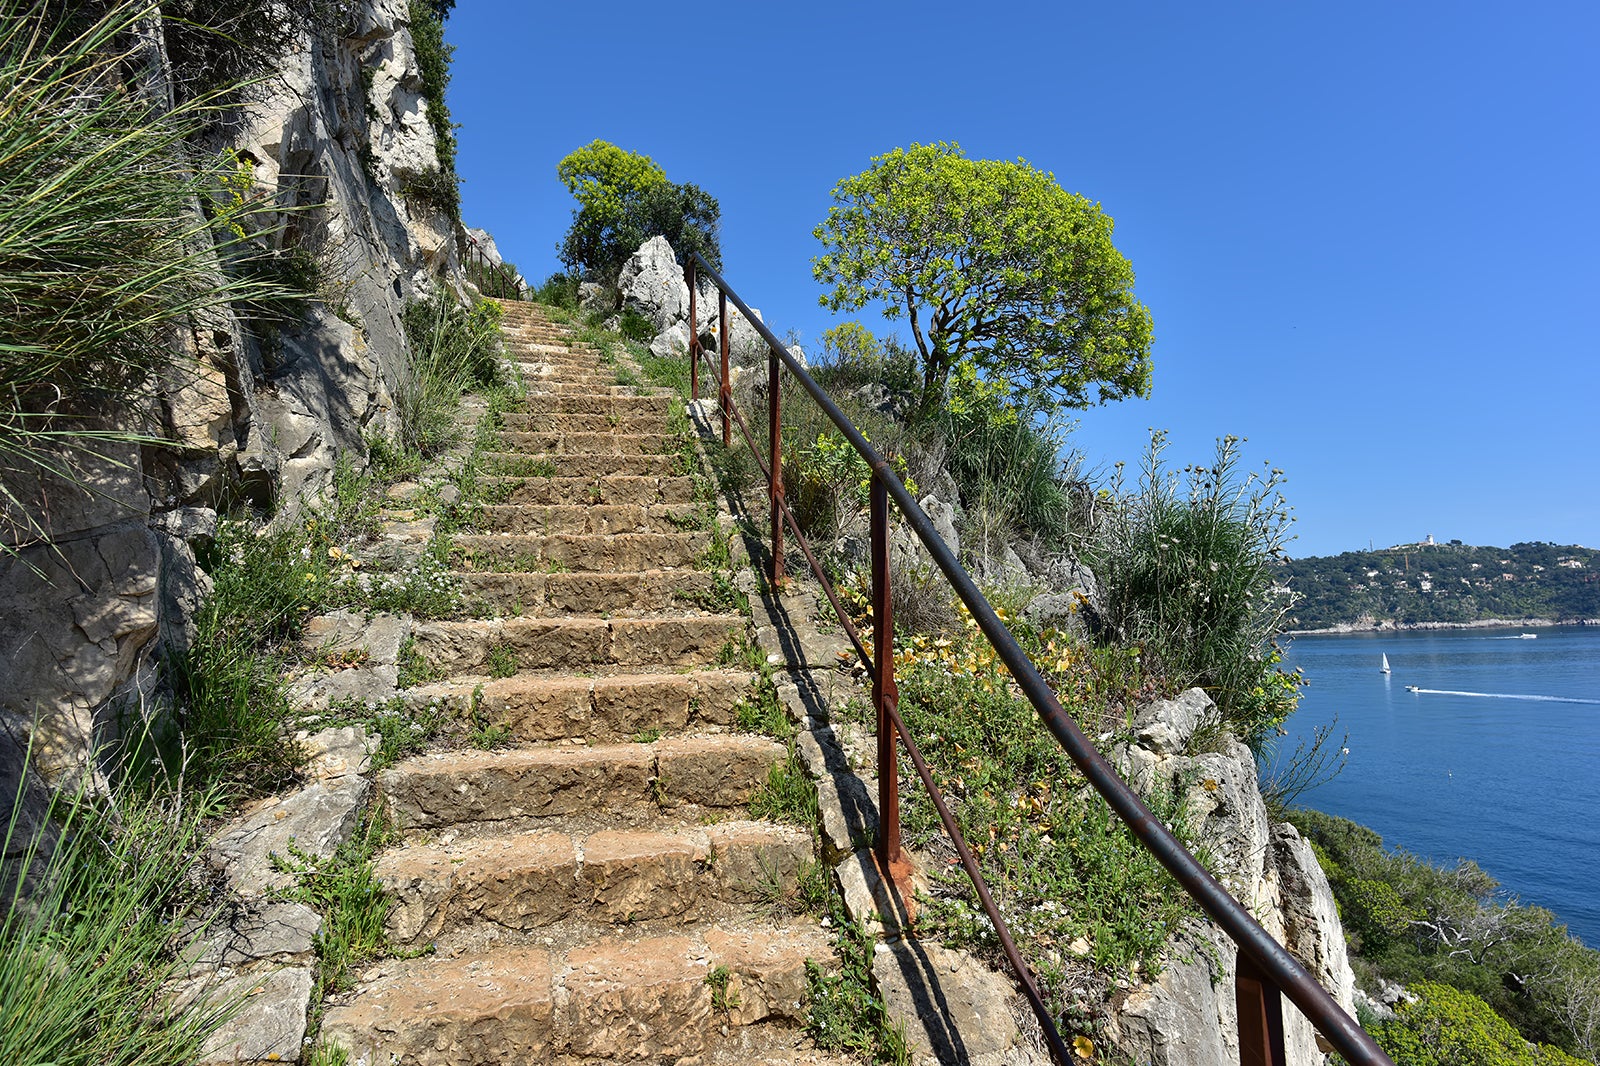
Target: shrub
1448,1027
1191,578
558,290
433,59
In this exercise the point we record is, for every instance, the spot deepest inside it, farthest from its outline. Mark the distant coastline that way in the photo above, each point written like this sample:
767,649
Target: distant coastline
1389,625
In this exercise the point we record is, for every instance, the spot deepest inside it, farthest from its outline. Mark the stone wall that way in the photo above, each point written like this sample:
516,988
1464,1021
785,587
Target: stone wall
334,139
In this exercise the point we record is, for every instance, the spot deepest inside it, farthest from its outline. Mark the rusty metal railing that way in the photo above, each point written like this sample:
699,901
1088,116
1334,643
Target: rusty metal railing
497,280
1266,970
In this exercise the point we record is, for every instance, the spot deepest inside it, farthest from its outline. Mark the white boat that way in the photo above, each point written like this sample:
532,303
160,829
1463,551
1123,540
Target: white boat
1530,636
1413,688
1385,667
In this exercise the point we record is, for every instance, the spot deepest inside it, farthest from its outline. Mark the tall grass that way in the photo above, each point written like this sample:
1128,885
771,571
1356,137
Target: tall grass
87,957
452,350
1188,570
104,250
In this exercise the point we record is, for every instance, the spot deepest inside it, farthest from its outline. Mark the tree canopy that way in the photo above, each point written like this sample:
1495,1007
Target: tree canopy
997,269
624,199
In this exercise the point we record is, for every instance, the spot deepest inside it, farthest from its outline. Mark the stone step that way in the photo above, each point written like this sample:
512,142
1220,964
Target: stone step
588,518
637,422
622,997
597,708
591,404
612,488
583,592
514,645
515,464
544,376
606,442
467,787
526,880
605,552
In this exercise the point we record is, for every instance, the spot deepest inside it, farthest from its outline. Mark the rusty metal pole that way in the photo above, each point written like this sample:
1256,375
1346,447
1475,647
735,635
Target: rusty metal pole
725,392
775,451
884,690
1260,1008
694,334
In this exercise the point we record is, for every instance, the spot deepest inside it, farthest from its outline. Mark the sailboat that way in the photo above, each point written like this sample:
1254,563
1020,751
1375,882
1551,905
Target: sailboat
1385,667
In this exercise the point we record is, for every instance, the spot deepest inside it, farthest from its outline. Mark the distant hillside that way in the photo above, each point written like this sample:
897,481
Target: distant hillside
1418,584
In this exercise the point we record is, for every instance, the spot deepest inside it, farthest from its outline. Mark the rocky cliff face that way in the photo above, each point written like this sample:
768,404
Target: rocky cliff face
333,141
1188,1017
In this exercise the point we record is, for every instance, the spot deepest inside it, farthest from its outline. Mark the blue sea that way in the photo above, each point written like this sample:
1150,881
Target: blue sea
1497,759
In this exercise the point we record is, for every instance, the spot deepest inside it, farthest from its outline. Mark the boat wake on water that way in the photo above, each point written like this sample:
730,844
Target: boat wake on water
1499,695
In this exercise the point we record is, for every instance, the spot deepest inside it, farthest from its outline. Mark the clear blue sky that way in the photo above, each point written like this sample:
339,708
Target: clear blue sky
1367,232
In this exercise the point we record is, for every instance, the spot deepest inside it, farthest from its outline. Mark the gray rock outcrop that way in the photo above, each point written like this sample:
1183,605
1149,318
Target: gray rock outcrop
96,583
1188,1017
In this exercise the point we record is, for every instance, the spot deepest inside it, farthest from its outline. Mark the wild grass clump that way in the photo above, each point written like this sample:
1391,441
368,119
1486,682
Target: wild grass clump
102,252
87,957
1188,570
452,350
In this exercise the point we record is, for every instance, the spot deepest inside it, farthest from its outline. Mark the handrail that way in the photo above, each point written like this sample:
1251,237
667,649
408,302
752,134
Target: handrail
1270,964
498,280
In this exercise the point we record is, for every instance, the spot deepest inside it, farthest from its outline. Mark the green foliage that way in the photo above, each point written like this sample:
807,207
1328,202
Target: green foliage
1422,925
558,291
436,188
1449,1027
1416,583
85,961
1059,863
635,327
453,349
1007,467
433,59
624,199
996,268
345,891
1192,577
845,1014
788,794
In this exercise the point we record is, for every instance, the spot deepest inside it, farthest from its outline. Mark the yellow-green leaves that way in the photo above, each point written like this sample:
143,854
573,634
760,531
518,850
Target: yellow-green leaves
997,268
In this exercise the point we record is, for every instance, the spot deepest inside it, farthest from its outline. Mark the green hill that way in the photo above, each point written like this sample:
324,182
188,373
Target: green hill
1455,583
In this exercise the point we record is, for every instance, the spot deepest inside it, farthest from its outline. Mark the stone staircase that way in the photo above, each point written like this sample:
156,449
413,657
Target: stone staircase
595,890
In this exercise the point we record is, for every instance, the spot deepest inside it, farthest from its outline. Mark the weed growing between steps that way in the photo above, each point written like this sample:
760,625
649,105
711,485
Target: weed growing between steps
343,889
845,1014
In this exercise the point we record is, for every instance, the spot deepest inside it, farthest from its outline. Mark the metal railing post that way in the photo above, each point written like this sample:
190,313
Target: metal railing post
694,334
884,691
725,388
775,451
1260,1009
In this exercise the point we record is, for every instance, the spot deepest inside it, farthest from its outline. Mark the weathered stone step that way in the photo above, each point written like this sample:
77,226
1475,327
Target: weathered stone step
583,592
629,998
612,488
612,442
514,464
513,645
589,404
606,552
451,788
526,880
591,518
599,708
636,422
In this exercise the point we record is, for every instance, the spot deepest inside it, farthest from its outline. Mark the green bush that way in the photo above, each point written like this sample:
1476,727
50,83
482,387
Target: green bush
1448,1027
433,58
1007,467
1190,575
558,290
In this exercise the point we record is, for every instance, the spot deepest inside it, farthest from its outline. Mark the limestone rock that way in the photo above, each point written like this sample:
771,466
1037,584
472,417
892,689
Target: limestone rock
269,1027
316,819
956,1009
652,285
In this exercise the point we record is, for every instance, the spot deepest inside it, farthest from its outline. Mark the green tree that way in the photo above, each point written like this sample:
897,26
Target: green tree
996,268
624,199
